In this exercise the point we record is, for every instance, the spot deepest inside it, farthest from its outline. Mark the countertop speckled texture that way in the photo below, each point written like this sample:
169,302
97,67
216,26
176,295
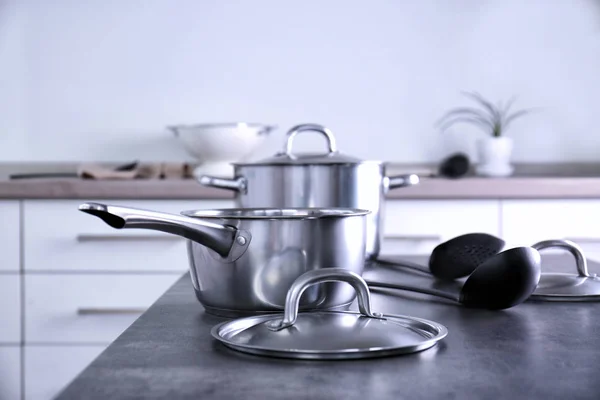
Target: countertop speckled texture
533,351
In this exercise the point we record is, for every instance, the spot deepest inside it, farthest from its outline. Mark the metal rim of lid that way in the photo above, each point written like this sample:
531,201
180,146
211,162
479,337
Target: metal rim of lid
274,327
435,330
592,282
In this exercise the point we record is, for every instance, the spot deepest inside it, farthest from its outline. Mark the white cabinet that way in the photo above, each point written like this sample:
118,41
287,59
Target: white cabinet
10,232
90,308
59,237
525,222
417,226
49,369
10,309
10,372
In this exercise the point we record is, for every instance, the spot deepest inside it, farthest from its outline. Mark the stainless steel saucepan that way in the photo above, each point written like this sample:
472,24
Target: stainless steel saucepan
331,179
243,261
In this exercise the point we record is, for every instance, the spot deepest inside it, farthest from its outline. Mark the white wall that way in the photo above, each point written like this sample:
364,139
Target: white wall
99,79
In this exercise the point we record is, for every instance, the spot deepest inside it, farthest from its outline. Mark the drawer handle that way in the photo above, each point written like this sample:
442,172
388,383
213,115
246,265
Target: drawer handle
109,311
85,237
421,238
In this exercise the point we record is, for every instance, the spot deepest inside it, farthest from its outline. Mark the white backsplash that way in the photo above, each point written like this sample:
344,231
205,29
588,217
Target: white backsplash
99,79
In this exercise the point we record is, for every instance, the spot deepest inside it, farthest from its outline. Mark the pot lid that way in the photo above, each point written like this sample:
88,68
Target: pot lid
329,334
288,157
556,286
567,287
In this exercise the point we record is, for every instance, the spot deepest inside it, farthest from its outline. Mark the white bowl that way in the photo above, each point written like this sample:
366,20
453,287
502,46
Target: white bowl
221,142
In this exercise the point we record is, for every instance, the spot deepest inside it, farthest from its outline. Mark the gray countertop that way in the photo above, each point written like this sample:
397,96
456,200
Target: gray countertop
536,181
533,351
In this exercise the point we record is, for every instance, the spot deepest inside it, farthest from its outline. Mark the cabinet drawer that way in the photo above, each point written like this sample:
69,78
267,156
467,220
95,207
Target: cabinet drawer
59,237
9,235
90,308
528,221
10,372
10,308
416,227
49,369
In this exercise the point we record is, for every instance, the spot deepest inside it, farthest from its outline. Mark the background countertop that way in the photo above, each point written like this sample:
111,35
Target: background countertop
528,181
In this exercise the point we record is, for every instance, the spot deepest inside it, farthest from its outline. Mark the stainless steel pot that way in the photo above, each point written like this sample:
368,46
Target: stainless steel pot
243,261
315,180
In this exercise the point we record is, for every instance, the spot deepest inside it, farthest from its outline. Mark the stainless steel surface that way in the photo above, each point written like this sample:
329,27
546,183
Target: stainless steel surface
109,311
419,238
395,182
560,286
329,334
330,179
279,245
309,127
290,313
218,237
571,247
239,184
288,157
262,128
583,239
275,213
104,237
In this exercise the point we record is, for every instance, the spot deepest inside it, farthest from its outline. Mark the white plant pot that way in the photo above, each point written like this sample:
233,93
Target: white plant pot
494,156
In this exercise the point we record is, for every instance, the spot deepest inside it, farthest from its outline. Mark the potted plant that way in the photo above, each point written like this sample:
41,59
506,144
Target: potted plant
495,149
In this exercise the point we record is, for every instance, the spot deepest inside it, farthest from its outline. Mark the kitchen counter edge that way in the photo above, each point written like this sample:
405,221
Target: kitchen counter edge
429,188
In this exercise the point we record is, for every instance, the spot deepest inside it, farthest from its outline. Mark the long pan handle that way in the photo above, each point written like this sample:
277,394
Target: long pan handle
225,240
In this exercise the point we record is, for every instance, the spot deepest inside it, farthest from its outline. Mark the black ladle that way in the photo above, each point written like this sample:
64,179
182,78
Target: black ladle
502,281
454,166
457,257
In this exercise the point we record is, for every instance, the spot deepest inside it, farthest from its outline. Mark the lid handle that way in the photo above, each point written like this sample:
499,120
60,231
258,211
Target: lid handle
306,128
313,277
572,248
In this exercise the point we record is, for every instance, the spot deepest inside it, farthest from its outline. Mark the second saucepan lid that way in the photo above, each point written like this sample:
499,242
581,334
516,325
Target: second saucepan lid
329,334
555,286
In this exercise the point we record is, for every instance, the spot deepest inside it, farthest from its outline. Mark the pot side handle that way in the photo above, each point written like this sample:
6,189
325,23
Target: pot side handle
239,185
227,241
398,181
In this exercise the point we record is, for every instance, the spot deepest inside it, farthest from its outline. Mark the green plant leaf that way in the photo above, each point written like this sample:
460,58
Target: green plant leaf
466,111
486,104
508,105
475,121
497,130
494,119
514,116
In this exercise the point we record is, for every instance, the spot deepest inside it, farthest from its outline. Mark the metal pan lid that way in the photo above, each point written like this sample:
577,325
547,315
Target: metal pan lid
329,334
554,286
288,157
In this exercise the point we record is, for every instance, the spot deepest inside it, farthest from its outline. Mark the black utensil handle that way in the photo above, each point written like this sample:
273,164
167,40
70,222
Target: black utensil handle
405,264
433,292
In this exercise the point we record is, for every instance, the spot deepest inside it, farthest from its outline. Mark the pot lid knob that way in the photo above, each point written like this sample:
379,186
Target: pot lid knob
292,301
293,132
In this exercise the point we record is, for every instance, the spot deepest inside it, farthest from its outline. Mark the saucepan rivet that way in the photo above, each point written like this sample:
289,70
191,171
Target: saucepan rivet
241,240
